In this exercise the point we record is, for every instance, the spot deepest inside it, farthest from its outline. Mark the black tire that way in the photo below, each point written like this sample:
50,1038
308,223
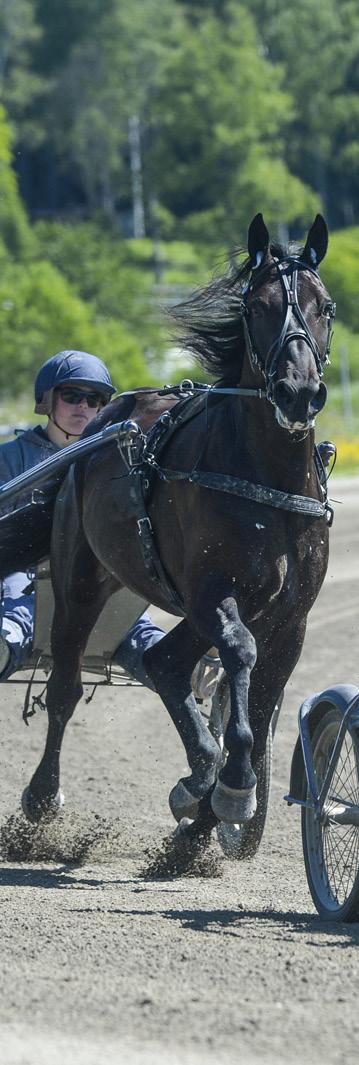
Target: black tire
331,850
239,842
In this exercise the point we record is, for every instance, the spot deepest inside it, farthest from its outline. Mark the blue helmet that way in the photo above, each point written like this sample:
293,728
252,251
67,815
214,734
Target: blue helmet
70,366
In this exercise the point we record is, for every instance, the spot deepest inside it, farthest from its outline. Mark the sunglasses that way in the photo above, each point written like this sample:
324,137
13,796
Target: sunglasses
75,395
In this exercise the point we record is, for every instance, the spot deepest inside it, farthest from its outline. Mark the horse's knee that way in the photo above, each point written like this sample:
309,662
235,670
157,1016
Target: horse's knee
249,651
240,652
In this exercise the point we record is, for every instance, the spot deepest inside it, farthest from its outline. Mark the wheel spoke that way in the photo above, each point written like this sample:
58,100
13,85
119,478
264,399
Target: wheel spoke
332,848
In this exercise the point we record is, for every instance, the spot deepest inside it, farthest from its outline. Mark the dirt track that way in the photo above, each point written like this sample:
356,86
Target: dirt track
98,964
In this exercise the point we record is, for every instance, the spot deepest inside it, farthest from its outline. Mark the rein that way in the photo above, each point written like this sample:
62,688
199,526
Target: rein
186,388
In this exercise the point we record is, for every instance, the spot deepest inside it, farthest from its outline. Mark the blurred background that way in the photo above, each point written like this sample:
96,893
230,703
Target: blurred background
137,141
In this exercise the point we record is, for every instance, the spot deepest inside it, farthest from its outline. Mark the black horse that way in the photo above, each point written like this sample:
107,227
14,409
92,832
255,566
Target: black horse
238,519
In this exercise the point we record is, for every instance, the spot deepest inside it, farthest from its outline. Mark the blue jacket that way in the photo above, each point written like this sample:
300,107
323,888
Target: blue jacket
29,447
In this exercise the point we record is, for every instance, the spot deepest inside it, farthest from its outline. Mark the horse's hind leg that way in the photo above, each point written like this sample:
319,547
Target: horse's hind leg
170,665
73,622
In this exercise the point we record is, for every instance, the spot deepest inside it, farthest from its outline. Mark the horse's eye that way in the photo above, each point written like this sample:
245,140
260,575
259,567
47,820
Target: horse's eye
258,306
328,309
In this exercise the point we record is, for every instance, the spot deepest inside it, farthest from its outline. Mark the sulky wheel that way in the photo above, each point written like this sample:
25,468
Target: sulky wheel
330,841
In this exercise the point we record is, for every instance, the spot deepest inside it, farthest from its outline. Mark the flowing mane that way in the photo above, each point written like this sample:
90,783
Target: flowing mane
210,321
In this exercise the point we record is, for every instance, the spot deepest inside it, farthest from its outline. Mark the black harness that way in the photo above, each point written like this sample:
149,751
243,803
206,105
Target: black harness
142,455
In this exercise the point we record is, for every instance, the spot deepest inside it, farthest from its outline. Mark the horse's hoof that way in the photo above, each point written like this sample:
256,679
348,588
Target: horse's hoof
230,839
182,826
182,803
36,811
233,805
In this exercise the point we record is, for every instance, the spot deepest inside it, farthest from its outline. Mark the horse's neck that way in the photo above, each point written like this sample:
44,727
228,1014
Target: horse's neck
275,457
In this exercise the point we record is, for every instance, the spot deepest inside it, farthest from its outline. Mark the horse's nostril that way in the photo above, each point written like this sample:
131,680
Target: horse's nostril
284,394
318,401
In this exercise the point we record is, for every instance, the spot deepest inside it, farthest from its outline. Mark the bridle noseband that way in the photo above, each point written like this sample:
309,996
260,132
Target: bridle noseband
287,270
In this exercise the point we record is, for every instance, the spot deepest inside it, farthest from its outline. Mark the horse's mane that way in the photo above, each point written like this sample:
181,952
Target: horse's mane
211,320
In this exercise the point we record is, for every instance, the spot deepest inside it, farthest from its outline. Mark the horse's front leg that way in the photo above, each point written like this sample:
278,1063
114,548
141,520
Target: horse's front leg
234,796
279,648
170,664
70,633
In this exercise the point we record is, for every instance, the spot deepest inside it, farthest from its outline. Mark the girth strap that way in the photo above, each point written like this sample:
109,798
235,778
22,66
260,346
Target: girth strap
257,493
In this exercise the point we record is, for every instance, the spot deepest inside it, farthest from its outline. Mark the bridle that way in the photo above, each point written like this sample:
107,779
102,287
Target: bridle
287,271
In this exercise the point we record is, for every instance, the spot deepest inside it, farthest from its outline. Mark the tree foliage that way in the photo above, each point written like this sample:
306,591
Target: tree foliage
14,228
198,112
318,44
21,84
221,127
341,275
241,105
40,314
101,271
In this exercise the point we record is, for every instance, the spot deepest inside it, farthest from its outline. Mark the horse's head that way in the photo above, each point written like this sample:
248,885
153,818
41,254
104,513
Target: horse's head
288,323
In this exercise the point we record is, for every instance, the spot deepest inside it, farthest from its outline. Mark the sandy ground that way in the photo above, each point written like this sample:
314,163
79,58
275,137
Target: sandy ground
98,963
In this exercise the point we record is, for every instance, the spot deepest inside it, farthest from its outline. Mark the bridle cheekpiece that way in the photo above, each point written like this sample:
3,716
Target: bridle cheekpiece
287,270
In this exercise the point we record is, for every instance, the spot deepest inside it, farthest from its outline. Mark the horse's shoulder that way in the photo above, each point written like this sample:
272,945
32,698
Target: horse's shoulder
144,406
148,408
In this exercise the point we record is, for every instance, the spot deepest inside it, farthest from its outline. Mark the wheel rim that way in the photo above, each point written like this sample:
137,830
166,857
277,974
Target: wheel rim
333,848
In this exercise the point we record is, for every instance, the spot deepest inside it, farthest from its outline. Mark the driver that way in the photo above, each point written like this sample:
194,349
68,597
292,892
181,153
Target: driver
70,389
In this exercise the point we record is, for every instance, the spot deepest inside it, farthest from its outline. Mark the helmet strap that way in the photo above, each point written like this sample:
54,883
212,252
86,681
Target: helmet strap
72,436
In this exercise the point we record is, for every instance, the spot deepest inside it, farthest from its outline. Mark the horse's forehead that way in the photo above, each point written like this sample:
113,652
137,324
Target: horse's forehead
271,287
311,284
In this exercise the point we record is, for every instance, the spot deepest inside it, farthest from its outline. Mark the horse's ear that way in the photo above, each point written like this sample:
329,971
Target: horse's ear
258,240
316,243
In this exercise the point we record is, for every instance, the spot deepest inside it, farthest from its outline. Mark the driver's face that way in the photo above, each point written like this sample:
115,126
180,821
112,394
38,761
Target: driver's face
75,416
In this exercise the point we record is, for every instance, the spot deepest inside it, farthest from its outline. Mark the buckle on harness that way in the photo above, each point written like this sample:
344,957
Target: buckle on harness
130,442
144,525
329,514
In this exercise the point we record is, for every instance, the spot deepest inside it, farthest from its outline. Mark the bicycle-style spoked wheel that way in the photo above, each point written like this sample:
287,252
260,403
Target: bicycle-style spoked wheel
330,840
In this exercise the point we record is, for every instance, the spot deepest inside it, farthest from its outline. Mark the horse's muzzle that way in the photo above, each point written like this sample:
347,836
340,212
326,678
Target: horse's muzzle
296,408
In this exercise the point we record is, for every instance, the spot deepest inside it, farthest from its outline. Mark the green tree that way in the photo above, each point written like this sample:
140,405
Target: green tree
318,46
222,114
109,75
14,228
64,23
101,270
340,272
40,314
20,84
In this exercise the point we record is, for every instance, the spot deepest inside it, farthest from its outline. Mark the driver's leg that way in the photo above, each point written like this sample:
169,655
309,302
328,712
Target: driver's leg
129,655
17,624
143,635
